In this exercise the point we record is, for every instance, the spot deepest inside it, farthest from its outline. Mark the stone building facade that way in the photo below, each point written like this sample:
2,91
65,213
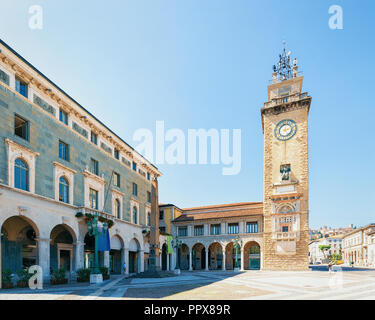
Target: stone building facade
57,164
358,247
208,235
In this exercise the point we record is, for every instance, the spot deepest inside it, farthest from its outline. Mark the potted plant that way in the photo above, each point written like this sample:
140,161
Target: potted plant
105,272
59,276
83,275
6,279
79,216
24,277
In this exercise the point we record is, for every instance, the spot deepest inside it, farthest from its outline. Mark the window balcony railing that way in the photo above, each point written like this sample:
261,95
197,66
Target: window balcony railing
286,99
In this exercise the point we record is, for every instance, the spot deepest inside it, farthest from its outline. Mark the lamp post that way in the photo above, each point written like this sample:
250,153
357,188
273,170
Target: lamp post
93,230
176,243
237,244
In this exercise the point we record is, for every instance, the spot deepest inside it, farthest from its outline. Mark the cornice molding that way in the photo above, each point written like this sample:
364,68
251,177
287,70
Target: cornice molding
58,164
20,146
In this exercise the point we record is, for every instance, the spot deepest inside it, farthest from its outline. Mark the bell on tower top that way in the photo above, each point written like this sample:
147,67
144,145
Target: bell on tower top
285,69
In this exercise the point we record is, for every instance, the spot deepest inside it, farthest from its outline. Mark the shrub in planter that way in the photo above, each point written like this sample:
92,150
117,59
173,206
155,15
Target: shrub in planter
6,279
24,277
105,272
58,276
83,275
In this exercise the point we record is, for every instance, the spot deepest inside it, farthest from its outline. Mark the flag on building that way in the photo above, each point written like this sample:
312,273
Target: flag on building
103,239
170,246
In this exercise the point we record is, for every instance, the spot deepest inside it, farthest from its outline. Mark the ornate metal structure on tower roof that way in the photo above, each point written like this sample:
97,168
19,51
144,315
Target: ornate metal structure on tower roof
284,69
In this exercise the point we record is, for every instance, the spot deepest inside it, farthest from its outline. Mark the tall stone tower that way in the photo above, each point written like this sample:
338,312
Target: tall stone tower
286,169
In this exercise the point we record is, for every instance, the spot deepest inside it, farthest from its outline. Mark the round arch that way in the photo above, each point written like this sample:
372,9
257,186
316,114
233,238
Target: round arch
19,242
134,256
198,256
62,243
215,256
164,253
252,255
115,254
183,257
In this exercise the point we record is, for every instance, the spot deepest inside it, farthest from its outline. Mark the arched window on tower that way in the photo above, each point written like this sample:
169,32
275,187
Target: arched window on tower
63,190
21,175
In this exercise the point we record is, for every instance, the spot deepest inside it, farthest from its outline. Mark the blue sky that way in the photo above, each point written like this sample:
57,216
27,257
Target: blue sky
207,64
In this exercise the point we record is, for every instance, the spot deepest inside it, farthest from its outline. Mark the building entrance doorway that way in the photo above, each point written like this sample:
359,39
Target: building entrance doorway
133,262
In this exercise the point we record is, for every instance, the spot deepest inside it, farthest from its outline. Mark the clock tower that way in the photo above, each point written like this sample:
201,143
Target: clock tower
286,169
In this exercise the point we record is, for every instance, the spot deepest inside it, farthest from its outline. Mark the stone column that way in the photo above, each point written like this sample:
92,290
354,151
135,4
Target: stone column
79,252
223,231
44,257
160,262
167,261
106,260
190,259
206,251
141,260
261,258
224,257
123,260
206,229
126,259
242,259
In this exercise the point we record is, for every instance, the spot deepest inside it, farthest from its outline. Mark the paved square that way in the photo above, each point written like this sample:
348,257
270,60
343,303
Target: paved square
247,285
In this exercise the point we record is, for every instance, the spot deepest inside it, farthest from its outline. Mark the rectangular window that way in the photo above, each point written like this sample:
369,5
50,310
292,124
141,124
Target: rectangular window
161,215
233,228
215,229
94,166
198,230
4,77
63,151
21,87
134,166
21,127
94,199
135,189
252,227
182,231
148,176
116,179
63,117
162,229
285,229
149,196
94,138
117,154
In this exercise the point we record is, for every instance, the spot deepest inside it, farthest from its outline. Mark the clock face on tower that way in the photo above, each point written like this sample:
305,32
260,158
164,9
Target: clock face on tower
285,129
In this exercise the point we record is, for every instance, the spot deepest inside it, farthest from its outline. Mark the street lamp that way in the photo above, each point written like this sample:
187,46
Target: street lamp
176,243
237,244
93,230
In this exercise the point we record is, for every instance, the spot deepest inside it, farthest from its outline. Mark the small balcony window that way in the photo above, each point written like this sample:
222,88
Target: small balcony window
233,228
21,127
63,151
21,87
182,231
198,230
94,138
135,189
94,166
63,117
